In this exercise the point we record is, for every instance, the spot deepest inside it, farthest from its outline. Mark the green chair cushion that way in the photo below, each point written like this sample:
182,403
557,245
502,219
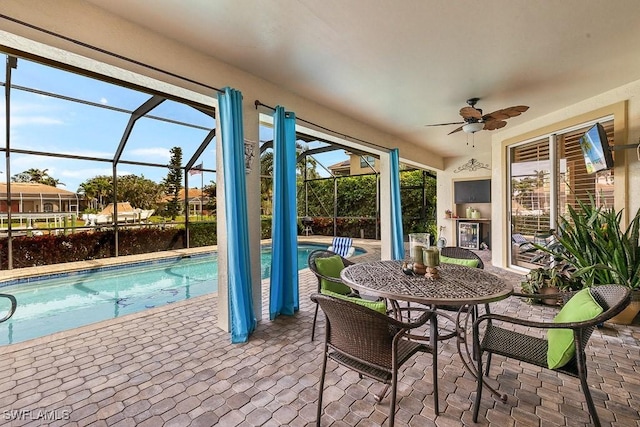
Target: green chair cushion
379,306
579,308
466,262
331,267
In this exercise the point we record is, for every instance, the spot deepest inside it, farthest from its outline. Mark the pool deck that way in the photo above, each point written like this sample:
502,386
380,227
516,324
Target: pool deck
172,366
67,267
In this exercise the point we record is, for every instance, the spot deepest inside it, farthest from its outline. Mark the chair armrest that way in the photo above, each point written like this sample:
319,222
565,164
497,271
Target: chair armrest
424,317
330,279
514,321
538,325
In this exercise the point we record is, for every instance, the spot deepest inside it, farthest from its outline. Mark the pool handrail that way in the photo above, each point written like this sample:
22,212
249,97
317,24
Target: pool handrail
14,305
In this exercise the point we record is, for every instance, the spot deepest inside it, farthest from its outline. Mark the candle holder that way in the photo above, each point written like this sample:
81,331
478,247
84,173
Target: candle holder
419,268
431,273
431,257
417,243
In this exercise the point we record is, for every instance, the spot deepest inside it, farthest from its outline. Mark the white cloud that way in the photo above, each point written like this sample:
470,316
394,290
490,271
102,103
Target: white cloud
147,153
104,101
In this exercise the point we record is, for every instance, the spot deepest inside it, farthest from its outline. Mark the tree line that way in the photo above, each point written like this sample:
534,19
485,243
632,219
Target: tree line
355,197
141,192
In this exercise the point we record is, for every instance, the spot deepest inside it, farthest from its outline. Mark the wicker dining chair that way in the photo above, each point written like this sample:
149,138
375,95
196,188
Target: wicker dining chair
499,337
311,260
370,343
14,305
461,253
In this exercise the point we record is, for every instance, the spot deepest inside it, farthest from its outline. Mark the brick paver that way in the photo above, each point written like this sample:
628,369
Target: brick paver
172,366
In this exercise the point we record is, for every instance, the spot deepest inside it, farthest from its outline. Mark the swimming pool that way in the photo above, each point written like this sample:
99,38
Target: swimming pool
53,304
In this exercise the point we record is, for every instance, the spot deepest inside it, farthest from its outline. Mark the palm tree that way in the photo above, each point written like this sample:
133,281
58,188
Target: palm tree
53,182
89,191
36,175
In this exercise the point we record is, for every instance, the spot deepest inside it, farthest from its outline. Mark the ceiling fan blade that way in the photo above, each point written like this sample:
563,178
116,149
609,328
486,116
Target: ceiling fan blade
447,124
470,113
496,115
505,113
455,130
494,124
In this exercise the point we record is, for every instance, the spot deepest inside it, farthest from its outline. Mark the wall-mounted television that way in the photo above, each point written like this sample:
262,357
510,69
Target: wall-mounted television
476,191
596,150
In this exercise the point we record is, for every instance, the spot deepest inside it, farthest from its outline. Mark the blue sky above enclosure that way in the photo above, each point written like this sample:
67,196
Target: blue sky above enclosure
87,117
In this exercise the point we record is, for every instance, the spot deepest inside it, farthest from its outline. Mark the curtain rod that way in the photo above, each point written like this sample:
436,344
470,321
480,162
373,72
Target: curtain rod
260,104
109,53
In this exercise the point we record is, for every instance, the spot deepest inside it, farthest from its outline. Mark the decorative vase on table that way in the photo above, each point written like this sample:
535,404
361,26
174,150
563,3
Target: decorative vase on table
417,242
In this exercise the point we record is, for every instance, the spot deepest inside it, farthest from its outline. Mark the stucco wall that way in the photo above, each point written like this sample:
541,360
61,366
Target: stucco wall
460,169
627,173
627,164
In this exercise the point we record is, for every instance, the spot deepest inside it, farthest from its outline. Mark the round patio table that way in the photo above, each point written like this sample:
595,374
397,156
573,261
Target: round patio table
457,286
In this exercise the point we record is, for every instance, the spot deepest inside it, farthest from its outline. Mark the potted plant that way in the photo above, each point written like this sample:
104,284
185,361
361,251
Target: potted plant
593,241
550,280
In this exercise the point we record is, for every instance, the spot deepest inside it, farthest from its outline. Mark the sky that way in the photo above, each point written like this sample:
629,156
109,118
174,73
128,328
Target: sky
43,123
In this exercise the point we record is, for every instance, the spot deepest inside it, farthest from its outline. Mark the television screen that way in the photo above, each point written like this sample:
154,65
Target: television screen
595,148
478,191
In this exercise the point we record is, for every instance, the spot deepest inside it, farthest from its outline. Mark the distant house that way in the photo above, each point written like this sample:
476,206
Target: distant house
341,169
31,197
198,200
356,165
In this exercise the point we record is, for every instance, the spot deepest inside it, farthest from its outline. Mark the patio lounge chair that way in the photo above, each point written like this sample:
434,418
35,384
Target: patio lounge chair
494,333
368,342
343,246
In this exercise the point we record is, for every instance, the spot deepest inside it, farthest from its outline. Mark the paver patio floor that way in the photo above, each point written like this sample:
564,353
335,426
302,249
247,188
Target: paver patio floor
173,366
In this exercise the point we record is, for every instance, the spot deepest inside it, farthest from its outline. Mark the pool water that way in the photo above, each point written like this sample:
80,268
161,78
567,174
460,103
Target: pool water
71,300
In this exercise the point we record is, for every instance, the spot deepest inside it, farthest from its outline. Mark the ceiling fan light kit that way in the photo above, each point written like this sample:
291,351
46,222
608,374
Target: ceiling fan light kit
473,127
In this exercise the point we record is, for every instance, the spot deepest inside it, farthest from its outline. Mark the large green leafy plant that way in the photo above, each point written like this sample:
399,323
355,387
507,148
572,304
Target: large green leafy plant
592,240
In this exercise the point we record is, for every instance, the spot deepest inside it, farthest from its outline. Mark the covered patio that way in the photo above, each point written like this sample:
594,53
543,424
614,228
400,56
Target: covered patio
173,366
176,365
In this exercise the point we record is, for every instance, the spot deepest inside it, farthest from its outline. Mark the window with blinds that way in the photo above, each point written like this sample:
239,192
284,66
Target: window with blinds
530,183
531,174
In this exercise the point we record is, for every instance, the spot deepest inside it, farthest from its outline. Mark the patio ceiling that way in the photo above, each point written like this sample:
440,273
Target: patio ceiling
400,65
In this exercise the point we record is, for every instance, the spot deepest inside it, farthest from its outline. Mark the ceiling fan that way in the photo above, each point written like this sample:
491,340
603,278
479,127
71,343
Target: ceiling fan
475,121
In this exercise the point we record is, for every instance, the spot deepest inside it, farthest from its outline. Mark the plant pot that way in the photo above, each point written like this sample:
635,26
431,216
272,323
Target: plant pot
626,316
545,290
